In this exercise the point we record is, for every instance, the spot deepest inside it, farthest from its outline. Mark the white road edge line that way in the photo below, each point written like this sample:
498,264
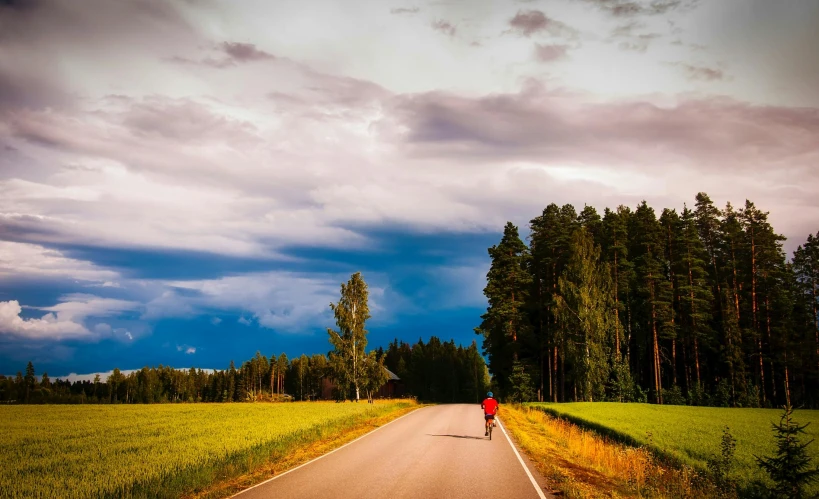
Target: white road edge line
528,473
325,455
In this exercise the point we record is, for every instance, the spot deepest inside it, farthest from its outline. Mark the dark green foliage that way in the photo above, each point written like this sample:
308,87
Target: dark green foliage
790,469
520,385
702,307
439,371
505,327
720,465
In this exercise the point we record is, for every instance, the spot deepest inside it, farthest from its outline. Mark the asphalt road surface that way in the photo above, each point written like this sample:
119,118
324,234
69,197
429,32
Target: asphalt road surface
434,452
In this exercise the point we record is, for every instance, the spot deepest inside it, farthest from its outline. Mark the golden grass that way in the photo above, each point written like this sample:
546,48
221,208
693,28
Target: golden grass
578,463
280,463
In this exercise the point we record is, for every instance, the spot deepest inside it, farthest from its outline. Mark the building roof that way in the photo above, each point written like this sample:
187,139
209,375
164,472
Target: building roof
393,377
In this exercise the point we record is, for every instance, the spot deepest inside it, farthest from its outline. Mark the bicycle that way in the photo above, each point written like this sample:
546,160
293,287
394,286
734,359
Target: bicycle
490,423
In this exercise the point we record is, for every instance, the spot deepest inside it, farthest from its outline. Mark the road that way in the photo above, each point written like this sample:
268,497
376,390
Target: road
434,452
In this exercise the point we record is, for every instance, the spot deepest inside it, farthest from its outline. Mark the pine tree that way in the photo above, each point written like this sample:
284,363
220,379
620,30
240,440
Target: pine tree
584,304
30,380
647,252
696,298
615,251
790,469
351,312
505,323
806,270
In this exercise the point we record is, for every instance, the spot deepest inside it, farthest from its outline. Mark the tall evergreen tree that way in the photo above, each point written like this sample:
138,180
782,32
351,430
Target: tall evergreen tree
505,323
647,254
584,306
696,296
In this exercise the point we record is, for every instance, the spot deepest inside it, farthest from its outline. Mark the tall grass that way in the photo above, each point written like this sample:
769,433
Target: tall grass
156,450
582,464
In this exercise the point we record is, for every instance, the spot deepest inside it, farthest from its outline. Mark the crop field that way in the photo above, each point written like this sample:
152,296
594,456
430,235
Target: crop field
689,434
161,450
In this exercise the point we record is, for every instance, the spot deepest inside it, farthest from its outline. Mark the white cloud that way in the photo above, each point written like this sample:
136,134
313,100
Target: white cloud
216,321
284,301
21,259
187,349
63,320
47,327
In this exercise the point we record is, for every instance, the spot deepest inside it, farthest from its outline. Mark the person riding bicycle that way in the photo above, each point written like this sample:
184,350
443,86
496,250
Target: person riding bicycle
490,409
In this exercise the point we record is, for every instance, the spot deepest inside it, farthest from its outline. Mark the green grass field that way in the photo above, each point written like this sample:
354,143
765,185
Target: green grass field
155,450
689,434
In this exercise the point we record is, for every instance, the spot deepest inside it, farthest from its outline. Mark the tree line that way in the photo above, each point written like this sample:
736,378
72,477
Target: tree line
438,371
699,307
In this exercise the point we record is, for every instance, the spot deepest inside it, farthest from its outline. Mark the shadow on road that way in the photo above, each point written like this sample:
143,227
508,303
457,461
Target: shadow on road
457,436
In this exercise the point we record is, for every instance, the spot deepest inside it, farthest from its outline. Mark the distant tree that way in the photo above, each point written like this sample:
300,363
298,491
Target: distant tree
790,468
30,380
281,369
351,313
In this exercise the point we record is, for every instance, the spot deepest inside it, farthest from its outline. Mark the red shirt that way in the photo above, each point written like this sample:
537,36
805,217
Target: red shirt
490,406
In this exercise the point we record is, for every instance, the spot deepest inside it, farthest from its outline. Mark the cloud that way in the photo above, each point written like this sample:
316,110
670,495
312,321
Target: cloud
216,321
556,127
631,8
404,10
550,53
78,306
702,72
66,319
227,55
189,350
49,327
638,43
284,301
444,27
32,260
245,52
528,23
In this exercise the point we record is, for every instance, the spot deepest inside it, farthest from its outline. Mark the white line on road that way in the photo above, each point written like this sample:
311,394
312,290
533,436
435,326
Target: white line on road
325,455
528,473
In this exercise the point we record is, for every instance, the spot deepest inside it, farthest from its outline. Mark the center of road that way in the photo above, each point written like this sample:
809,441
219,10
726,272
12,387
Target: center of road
437,451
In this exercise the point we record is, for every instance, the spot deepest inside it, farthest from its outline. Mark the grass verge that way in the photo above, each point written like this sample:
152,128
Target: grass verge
579,463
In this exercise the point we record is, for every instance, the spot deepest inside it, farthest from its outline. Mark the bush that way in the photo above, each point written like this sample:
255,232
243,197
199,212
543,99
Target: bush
520,385
673,396
720,465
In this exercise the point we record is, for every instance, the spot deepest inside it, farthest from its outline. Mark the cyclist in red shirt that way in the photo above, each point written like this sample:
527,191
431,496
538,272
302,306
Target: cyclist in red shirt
490,408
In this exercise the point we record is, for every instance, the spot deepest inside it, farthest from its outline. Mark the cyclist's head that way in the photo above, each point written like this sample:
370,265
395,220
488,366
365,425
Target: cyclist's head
489,394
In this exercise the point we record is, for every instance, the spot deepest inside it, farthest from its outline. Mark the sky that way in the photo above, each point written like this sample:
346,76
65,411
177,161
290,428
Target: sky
186,182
